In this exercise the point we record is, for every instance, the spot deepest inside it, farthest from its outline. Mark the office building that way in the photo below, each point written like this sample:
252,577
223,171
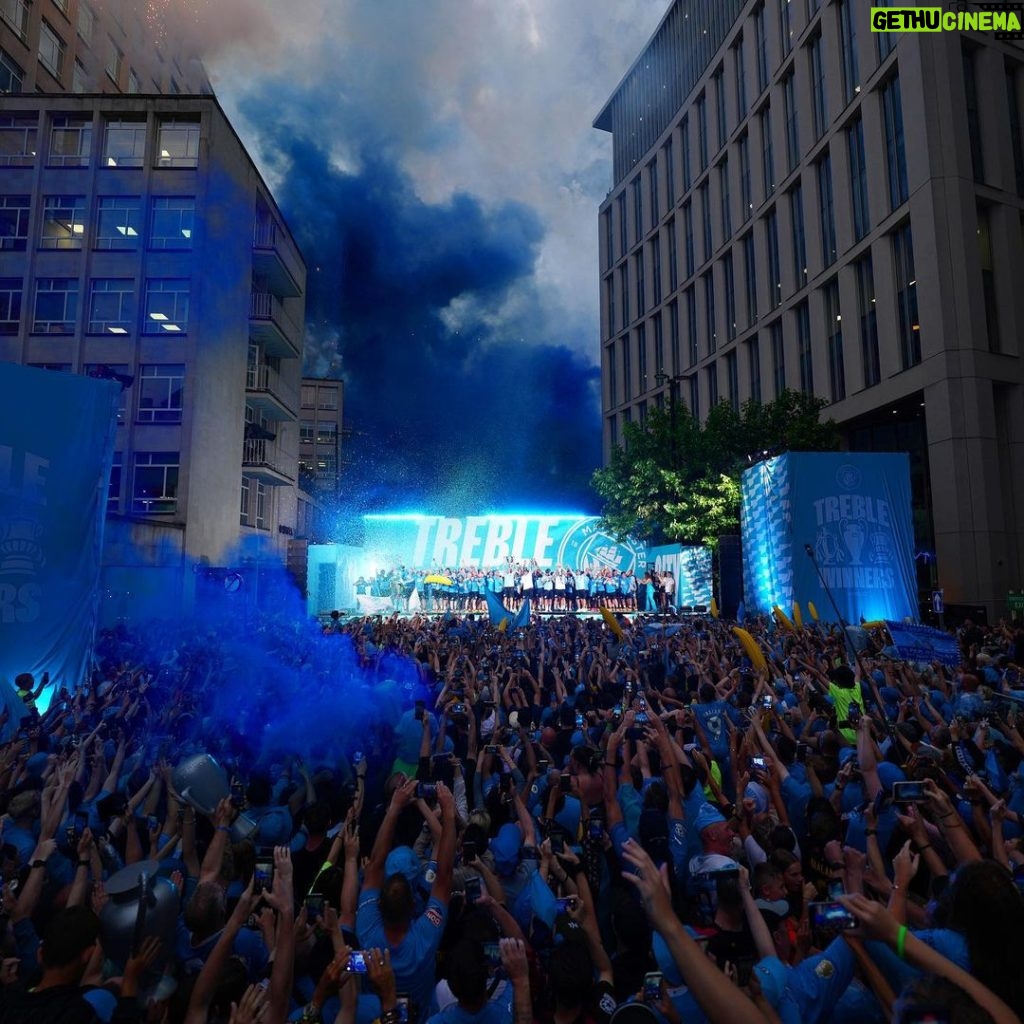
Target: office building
138,238
320,436
799,202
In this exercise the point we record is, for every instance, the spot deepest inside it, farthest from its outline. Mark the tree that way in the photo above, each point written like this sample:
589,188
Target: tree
681,479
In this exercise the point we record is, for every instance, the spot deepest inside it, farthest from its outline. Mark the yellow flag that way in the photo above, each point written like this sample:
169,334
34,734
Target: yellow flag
752,649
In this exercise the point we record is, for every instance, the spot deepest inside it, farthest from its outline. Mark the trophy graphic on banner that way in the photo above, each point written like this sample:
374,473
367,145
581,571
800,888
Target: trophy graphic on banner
854,537
20,554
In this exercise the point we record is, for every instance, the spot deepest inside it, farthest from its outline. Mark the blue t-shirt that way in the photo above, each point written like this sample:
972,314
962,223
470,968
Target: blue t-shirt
497,1011
413,958
248,946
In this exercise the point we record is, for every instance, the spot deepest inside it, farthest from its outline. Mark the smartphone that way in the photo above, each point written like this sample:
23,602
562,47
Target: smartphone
854,713
71,835
543,764
469,851
758,763
566,903
356,962
652,987
557,844
836,888
909,792
832,915
264,875
580,721
426,791
402,1005
152,822
491,748
458,709
492,952
357,757
767,701
565,782
744,969
421,710
802,750
473,889
314,907
237,793
596,829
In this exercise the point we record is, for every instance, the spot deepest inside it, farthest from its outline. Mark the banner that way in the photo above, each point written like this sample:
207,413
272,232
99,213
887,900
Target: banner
691,567
923,643
852,509
56,447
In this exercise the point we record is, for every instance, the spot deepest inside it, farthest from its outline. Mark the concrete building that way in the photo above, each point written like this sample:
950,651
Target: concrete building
800,202
137,237
320,436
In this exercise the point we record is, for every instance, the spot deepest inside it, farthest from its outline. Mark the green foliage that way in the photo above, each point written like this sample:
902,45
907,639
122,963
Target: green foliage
680,479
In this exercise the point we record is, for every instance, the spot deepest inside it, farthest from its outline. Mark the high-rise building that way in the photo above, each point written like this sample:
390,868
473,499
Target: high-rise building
799,202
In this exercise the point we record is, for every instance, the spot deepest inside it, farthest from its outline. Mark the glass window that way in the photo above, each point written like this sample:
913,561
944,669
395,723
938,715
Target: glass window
988,279
308,396
767,160
886,40
973,113
691,325
848,45
695,397
63,225
171,222
1016,137
865,277
108,371
785,27
688,236
167,302
652,184
641,293
114,485
638,209
740,72
896,157
655,250
796,219
710,318
161,389
750,277
906,296
711,373
725,198
70,141
819,96
720,111
118,222
243,518
729,277
79,78
11,292
624,292
778,357
52,49
111,305
620,204
17,139
134,82
826,210
14,214
705,214
124,144
754,367
659,345
858,179
803,334
746,197
115,61
56,305
834,334
673,255
673,330
627,367
12,76
86,21
641,357
15,14
792,122
684,144
609,247
771,232
178,143
609,284
732,374
328,399
760,49
155,482
702,131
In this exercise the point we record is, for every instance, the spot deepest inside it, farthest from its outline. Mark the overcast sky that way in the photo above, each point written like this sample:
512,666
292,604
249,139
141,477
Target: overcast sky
437,163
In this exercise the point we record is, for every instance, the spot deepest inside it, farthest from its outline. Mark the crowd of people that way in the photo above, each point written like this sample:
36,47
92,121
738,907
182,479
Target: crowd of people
554,590
566,824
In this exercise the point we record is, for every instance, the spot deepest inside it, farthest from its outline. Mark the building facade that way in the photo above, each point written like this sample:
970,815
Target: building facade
138,239
799,202
320,436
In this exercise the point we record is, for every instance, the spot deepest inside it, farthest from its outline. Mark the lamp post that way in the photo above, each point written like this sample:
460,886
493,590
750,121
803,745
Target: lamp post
661,378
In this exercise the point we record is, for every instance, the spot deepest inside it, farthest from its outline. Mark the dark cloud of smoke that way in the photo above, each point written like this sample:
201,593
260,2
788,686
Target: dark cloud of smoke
486,407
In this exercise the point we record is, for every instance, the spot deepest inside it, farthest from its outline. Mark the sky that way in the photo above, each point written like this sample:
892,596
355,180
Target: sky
437,165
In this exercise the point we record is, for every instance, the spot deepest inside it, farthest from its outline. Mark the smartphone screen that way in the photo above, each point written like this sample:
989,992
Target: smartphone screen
356,962
832,915
652,987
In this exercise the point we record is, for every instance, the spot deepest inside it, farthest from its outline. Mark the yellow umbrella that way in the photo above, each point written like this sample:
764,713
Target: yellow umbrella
434,577
752,649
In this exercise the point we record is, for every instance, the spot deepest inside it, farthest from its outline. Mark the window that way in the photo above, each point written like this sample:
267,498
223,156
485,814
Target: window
711,374
620,204
70,141
14,214
114,485
609,238
848,46
973,113
171,221
691,325
673,255
155,484
115,62
56,307
896,157
15,14
785,28
178,143
826,210
161,387
730,296
792,122
988,279
732,375
641,357
858,179
118,222
61,5
720,111
695,397
684,144
624,292
111,305
243,517
124,144
11,291
613,377
79,77
746,198
796,219
673,335
803,334
63,225
641,293
688,236
12,76
705,215
710,319
750,277
659,345
652,185
609,285
754,367
86,21
627,367
865,277
702,131
886,40
17,138
1016,138
767,160
134,83
104,371
740,72
771,231
52,50
760,49
326,432
834,334
167,301
725,198
613,431
638,209
778,357
655,248
906,296
819,97
308,398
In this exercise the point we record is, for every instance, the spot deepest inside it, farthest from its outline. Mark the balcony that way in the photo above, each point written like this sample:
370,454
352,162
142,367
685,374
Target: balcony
275,260
271,327
264,460
268,392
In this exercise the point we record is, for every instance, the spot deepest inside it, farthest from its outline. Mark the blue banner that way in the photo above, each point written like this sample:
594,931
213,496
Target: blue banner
691,570
923,643
853,511
56,447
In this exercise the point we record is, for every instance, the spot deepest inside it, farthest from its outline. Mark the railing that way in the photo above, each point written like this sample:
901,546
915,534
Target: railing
265,306
263,378
266,455
264,234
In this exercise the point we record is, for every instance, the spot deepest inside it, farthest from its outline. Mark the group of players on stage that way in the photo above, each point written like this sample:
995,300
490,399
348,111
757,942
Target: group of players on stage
556,589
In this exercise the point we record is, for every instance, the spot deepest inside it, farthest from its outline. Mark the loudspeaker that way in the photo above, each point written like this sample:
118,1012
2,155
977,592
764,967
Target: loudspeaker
730,575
